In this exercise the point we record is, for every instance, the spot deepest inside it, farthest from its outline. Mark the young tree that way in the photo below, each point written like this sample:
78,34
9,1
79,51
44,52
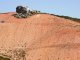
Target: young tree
21,9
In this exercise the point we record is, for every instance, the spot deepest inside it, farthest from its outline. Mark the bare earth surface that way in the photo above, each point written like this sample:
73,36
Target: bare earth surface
39,37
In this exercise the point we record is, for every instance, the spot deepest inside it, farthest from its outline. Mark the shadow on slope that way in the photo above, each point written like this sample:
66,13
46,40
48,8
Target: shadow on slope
3,58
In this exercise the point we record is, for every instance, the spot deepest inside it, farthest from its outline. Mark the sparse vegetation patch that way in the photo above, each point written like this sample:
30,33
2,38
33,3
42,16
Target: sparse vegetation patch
67,17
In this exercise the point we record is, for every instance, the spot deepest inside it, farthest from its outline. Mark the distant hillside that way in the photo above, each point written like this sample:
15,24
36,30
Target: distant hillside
66,17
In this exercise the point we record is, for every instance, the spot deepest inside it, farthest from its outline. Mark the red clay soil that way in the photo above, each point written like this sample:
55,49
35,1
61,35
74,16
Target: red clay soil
42,37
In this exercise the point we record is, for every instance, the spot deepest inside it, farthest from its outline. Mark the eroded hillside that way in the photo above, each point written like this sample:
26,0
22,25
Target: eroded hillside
39,37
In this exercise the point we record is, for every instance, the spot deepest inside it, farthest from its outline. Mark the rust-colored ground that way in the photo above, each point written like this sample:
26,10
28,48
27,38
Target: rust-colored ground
40,37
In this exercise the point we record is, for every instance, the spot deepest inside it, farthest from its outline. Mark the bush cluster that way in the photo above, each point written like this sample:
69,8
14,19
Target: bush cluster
24,12
30,13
